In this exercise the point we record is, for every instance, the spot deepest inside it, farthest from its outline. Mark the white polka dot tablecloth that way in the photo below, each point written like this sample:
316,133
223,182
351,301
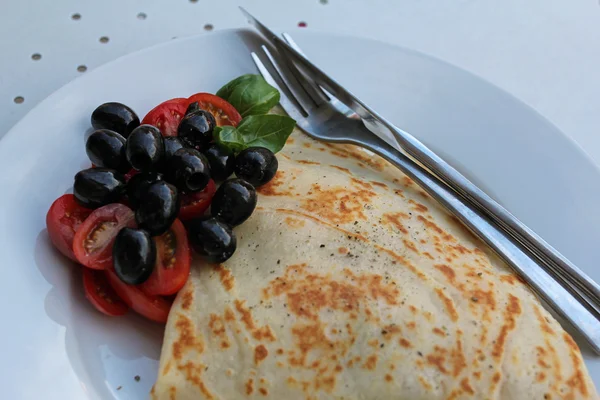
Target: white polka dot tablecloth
545,52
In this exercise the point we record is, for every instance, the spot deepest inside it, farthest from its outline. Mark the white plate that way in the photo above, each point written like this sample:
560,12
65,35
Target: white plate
57,347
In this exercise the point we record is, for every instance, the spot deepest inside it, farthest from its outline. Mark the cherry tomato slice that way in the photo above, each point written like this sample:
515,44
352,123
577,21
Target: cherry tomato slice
94,239
154,308
132,172
195,204
99,292
172,267
166,116
63,219
224,113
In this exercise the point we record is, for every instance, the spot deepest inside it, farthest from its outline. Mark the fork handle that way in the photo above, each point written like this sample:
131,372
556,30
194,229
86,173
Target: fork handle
536,247
560,298
533,243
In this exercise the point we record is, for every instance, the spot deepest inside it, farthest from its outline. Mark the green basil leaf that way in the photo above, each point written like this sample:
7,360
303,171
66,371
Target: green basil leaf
270,131
228,88
250,95
229,137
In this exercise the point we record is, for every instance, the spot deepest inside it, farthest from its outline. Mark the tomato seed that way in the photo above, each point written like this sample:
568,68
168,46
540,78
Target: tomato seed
101,235
170,247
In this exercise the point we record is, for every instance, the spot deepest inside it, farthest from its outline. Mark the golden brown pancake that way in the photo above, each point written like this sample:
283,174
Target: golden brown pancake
350,282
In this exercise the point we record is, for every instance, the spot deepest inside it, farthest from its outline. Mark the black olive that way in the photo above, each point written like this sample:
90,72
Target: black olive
172,144
233,202
158,209
138,185
116,117
196,128
145,148
221,161
134,255
188,169
193,107
96,187
214,240
257,165
106,149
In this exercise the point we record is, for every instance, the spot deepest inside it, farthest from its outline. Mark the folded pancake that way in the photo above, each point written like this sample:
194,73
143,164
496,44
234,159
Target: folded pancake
350,282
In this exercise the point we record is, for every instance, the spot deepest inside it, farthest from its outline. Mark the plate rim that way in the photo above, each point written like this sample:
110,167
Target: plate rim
581,152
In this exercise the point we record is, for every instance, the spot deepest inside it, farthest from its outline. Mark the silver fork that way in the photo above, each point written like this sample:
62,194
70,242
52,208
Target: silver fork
554,262
319,119
535,246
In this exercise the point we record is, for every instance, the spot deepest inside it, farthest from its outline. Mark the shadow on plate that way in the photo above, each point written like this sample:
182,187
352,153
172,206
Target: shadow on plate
107,353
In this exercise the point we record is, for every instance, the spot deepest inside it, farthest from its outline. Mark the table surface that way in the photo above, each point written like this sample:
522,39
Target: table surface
545,52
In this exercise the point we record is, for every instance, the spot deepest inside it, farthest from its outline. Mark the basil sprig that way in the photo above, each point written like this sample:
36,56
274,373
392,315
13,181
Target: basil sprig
270,131
253,97
250,95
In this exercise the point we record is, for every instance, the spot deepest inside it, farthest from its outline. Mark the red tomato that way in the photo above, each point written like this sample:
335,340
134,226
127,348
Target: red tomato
63,219
224,113
172,266
154,308
99,292
195,204
94,239
132,172
166,116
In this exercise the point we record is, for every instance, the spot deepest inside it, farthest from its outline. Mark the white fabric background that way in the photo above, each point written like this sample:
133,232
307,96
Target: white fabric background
545,52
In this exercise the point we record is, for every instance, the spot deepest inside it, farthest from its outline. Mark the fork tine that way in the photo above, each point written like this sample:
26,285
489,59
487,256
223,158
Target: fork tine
334,102
291,83
321,92
293,110
288,39
308,88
